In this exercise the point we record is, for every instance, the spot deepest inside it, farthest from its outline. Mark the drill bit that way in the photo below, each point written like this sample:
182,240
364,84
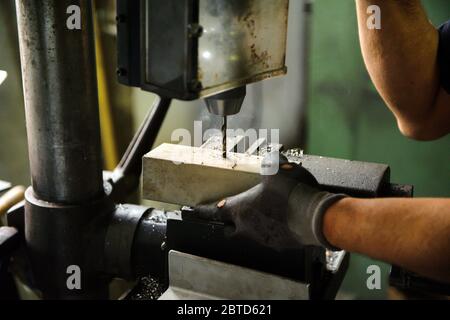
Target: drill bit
224,137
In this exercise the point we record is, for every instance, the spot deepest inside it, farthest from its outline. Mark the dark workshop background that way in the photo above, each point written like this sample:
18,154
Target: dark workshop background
346,117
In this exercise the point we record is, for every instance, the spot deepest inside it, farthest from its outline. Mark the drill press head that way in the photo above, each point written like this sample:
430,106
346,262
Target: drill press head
209,48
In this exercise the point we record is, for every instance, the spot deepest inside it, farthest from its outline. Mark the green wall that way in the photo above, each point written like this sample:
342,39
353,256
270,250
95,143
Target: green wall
347,118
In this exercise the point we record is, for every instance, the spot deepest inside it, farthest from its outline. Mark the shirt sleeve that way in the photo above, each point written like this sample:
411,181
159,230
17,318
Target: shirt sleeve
444,55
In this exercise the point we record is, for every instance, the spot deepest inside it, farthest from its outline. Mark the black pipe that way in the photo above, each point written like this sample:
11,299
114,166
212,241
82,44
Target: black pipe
135,243
66,210
61,104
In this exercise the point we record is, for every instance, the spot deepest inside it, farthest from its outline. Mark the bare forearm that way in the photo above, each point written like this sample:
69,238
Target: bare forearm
402,61
412,233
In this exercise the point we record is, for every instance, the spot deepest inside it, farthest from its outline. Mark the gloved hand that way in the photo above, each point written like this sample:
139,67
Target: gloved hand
284,211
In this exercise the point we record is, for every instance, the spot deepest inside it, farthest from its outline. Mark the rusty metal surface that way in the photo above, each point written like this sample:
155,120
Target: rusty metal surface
243,41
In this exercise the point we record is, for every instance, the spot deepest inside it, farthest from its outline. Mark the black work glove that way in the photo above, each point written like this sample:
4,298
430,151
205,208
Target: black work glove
284,211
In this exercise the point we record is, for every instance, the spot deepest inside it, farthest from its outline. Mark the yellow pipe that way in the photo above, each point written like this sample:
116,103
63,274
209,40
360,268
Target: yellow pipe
110,153
11,198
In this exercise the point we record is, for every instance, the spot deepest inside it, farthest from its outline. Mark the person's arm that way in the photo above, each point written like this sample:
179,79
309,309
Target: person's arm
411,233
290,210
402,61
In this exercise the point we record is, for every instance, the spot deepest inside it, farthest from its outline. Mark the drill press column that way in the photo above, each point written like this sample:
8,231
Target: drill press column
67,199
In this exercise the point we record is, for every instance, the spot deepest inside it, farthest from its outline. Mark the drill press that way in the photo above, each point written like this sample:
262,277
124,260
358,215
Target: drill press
211,50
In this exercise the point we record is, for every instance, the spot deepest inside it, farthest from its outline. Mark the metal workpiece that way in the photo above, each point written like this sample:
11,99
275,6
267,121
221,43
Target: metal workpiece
61,239
61,104
186,175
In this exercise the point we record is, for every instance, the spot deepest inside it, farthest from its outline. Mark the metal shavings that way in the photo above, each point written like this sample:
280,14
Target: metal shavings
147,289
158,216
297,152
334,259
